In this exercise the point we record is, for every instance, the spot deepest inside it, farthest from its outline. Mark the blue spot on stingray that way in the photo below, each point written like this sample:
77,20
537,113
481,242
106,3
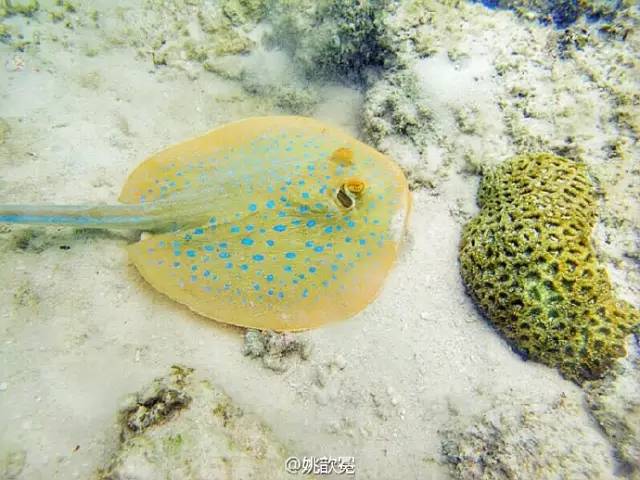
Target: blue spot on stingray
328,229
311,223
253,207
290,255
198,231
249,228
308,243
191,253
194,278
212,220
305,195
176,264
282,213
208,248
177,253
187,237
222,244
270,291
270,204
244,267
229,265
287,268
351,224
312,269
206,273
258,257
347,239
256,287
319,249
305,293
334,267
247,241
271,243
280,228
194,268
304,208
235,229
362,241
280,295
224,255
269,278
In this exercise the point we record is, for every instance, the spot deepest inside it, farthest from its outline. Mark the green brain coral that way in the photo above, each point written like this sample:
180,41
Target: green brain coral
528,261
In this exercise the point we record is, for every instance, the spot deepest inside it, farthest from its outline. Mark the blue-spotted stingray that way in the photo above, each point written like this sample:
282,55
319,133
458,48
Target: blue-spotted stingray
279,223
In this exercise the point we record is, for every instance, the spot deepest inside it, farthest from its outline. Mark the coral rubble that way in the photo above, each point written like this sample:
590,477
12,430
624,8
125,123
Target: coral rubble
526,442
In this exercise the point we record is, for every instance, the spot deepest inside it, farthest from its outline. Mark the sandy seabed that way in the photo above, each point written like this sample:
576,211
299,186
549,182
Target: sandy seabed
398,386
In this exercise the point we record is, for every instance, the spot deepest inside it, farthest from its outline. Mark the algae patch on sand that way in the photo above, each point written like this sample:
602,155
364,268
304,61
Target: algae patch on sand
528,261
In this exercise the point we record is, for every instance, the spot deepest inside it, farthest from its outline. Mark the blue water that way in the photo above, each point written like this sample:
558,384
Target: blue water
562,13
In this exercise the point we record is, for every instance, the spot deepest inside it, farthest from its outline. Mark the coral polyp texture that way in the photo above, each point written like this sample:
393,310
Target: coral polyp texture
528,261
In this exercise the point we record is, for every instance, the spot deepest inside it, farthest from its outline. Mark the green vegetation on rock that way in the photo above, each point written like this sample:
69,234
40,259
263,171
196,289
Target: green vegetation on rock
528,261
334,38
241,12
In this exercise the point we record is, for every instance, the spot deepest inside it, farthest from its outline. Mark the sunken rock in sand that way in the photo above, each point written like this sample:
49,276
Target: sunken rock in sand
182,426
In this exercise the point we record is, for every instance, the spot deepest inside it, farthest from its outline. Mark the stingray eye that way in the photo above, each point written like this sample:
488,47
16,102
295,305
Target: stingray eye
355,186
342,156
349,192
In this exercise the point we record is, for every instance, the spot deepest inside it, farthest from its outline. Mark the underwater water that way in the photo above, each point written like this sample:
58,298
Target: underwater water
273,239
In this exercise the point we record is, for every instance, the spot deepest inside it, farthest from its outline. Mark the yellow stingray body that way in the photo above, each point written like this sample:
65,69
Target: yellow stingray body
280,223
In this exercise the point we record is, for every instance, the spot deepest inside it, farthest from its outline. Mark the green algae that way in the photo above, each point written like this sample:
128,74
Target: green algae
334,38
528,262
5,129
12,7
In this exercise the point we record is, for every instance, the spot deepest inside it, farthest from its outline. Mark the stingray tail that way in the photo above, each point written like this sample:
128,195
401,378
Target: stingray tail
93,216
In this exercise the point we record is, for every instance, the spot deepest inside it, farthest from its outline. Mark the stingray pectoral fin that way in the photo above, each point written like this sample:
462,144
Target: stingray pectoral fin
215,278
165,172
